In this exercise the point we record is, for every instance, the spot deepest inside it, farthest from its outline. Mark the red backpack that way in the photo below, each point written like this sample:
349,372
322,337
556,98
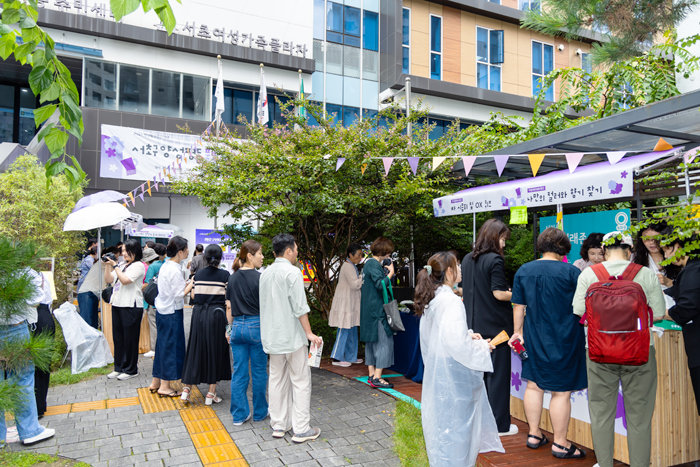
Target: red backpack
618,318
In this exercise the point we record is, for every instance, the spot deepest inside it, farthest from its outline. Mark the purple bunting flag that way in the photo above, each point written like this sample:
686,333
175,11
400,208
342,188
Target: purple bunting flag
573,160
500,163
141,196
468,164
413,163
387,164
339,163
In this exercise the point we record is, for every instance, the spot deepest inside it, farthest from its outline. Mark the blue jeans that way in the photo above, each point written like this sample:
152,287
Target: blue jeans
87,304
246,346
345,348
26,416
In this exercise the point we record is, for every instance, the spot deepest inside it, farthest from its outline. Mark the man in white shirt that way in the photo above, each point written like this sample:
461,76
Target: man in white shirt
285,334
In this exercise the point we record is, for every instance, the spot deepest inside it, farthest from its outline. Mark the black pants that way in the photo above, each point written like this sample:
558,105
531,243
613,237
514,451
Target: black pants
126,328
44,324
498,387
695,379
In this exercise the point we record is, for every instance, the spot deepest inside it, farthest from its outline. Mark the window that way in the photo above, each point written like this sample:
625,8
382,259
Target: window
435,47
406,42
343,24
335,112
352,26
542,64
7,113
99,83
274,108
370,31
195,97
586,63
133,89
533,5
350,115
237,103
165,93
489,57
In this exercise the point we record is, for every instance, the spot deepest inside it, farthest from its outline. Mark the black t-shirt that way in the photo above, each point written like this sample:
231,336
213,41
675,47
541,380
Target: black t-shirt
485,314
243,291
210,286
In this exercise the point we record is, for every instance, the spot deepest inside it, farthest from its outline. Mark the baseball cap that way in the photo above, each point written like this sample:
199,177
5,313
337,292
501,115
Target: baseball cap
619,237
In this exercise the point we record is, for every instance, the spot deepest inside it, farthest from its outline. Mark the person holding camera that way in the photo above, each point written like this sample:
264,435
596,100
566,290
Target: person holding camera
127,307
374,327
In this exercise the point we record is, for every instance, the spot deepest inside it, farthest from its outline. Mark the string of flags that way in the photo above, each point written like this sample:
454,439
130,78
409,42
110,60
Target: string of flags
573,159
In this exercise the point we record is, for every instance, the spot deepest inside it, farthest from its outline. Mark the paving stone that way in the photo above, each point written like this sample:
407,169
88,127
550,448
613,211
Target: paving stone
267,463
145,448
126,461
182,460
311,463
295,457
114,454
322,453
333,461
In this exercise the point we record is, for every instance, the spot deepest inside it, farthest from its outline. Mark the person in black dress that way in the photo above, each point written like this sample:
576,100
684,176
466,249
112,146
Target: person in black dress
686,311
207,359
554,339
486,299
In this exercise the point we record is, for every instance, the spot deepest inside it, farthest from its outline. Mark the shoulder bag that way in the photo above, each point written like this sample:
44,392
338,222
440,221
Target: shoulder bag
391,308
107,292
151,291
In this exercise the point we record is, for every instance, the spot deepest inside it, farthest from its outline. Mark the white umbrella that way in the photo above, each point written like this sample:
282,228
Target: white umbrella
95,216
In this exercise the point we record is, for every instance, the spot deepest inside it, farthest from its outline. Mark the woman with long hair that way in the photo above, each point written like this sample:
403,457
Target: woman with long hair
591,251
374,327
648,253
487,303
457,420
127,308
243,312
207,359
554,339
170,304
345,309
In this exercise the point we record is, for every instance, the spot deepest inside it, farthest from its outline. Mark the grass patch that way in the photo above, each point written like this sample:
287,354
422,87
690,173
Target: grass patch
409,443
63,376
28,459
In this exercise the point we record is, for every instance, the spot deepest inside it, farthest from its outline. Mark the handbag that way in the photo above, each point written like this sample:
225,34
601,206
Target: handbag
151,291
109,290
391,308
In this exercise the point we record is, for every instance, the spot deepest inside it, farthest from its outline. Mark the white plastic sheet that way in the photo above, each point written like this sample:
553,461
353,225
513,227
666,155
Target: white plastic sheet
89,346
458,422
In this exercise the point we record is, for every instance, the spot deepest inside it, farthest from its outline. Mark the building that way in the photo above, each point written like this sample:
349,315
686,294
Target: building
465,58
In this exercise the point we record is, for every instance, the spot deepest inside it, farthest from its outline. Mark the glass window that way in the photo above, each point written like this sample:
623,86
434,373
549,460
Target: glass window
489,57
370,31
530,5
277,109
352,21
350,115
438,130
334,113
586,63
133,89
352,40
99,84
195,97
27,127
368,114
334,37
7,113
435,67
165,93
405,65
318,19
435,34
542,64
406,27
242,105
334,17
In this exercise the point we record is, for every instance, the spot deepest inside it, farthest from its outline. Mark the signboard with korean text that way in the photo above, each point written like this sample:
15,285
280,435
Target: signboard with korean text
214,237
591,183
579,226
136,154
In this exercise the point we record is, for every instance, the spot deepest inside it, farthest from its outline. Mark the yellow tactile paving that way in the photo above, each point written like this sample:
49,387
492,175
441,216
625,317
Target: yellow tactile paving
233,463
57,409
221,453
152,403
123,402
210,438
200,426
197,413
85,406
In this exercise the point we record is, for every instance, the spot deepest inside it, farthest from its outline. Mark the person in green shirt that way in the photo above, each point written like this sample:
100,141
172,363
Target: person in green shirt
638,382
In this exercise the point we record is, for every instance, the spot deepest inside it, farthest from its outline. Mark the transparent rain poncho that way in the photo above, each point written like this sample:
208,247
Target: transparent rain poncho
89,346
457,420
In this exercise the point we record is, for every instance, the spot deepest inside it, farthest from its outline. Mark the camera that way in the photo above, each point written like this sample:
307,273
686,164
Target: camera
107,256
386,263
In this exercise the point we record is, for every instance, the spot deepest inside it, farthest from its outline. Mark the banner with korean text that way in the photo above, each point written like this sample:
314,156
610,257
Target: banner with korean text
136,154
214,237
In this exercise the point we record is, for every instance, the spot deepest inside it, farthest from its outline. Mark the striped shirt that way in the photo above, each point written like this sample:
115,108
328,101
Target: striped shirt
210,286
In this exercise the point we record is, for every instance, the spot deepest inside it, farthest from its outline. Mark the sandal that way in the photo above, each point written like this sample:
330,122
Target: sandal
380,383
569,454
185,394
211,398
171,394
540,441
153,391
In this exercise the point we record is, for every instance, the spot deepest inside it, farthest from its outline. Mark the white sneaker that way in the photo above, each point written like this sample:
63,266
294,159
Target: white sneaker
241,423
124,376
343,364
12,435
46,434
512,431
597,465
113,375
150,353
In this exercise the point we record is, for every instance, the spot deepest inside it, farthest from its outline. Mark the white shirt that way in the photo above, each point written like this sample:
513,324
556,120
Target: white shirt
91,283
171,288
130,295
29,312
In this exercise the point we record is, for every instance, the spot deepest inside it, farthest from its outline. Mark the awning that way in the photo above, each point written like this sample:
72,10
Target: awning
596,182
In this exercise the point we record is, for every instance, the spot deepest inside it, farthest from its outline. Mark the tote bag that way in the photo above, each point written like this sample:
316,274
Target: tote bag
391,308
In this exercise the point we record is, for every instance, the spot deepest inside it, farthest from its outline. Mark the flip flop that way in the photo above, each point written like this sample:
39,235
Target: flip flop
172,394
540,441
153,391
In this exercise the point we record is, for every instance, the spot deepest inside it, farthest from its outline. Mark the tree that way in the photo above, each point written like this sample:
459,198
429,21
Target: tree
30,211
50,79
628,26
288,182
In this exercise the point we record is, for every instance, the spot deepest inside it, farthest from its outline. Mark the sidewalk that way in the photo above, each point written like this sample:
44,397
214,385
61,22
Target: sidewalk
133,427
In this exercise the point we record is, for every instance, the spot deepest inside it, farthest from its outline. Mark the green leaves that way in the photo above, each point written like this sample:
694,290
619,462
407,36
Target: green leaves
55,140
40,78
121,8
42,113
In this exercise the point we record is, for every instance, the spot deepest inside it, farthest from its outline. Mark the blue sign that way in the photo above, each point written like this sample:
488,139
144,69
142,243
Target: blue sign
208,237
579,226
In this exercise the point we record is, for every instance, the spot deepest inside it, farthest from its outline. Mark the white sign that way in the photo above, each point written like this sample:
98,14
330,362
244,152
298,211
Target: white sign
595,182
136,154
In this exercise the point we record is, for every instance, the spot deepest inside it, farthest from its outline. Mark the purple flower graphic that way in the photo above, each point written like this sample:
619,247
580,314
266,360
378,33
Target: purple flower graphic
440,202
615,188
504,201
111,152
624,174
515,380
